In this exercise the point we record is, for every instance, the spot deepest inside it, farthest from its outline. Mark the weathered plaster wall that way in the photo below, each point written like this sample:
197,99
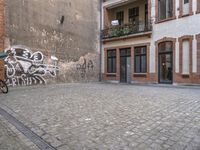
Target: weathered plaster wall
37,25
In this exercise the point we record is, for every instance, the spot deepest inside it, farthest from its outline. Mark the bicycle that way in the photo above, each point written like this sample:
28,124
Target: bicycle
3,85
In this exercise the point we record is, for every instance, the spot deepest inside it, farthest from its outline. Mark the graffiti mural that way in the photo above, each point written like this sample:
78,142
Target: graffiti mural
24,67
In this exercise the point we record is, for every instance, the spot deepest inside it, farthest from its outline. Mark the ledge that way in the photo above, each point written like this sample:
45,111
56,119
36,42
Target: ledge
110,74
185,75
165,20
114,3
140,75
149,33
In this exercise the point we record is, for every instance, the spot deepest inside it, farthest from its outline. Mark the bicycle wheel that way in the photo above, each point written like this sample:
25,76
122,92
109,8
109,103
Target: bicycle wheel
3,87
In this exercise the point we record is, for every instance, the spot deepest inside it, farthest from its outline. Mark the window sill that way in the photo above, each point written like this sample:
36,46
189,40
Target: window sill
165,20
185,75
140,74
111,74
186,15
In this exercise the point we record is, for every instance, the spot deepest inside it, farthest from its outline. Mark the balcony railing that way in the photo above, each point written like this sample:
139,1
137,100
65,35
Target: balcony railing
124,30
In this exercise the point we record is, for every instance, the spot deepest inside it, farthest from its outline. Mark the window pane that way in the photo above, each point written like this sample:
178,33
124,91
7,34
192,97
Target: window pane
186,1
143,64
165,47
165,9
140,50
170,8
111,53
137,64
111,64
162,9
141,59
120,17
134,15
114,65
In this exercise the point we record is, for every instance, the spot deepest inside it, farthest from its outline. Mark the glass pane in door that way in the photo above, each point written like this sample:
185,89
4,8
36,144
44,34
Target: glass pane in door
165,68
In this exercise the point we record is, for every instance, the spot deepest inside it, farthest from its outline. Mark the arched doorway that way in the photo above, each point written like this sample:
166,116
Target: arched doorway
165,62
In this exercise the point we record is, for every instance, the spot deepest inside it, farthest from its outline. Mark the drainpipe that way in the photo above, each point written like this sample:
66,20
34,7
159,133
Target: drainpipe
100,42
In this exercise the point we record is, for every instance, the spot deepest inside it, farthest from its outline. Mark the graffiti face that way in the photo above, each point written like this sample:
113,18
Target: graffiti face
23,67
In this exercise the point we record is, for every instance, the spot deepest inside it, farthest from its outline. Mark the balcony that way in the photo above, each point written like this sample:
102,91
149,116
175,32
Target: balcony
125,19
126,30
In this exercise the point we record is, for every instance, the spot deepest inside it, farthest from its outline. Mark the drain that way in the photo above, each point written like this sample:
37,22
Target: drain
41,143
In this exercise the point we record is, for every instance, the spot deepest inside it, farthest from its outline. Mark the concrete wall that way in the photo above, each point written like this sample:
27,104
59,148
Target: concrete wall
36,25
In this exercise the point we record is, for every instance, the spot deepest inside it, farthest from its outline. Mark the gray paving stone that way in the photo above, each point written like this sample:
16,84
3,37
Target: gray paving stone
108,116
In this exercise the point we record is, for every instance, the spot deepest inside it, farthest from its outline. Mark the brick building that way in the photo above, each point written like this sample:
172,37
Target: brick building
151,41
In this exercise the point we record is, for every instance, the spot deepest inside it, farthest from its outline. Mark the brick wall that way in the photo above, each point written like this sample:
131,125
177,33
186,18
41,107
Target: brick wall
1,36
198,54
198,6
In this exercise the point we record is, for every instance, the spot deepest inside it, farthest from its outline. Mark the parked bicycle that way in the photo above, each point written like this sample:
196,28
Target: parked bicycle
3,85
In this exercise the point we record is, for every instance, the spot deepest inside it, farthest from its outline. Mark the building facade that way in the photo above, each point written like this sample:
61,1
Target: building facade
151,41
50,41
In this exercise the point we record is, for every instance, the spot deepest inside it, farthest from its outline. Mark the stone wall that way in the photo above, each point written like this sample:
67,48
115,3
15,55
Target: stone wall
65,30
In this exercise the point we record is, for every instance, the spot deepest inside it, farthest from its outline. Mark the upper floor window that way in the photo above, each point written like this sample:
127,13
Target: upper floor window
165,9
185,8
134,15
120,17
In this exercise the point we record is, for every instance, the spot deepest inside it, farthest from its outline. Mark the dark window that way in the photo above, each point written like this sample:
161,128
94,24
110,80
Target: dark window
165,47
134,15
186,1
141,59
165,9
111,66
120,17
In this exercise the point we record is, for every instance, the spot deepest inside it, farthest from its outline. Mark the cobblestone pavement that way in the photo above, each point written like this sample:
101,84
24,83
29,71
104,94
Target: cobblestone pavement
109,116
9,140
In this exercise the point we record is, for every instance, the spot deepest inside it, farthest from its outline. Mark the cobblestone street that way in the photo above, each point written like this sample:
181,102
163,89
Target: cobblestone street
9,139
109,116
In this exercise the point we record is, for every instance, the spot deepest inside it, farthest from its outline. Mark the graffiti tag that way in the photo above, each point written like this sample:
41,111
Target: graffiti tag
23,67
86,65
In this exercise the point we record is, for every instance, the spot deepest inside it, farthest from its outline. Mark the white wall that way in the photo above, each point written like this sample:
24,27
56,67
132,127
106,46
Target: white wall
176,28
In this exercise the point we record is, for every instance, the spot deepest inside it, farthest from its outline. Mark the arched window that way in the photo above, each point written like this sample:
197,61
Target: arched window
165,54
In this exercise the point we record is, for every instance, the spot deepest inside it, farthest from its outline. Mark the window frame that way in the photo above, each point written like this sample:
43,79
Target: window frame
113,65
168,19
120,17
181,39
135,13
140,58
181,5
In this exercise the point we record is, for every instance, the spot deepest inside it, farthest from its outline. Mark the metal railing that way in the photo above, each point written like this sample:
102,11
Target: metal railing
127,29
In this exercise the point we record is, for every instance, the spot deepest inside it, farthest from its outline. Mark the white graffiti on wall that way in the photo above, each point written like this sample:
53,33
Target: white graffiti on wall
23,67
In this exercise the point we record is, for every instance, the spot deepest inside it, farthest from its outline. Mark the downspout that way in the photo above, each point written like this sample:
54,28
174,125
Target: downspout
100,42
